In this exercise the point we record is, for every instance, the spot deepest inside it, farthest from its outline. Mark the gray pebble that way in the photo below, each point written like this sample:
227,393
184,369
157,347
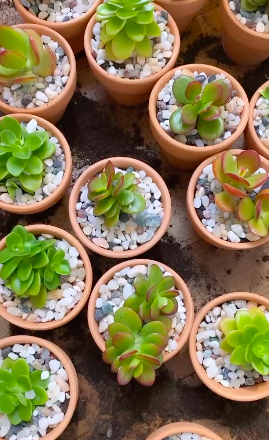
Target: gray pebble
124,218
225,372
153,221
207,354
265,122
6,351
59,49
249,381
245,14
161,105
45,354
201,78
130,170
115,294
26,100
66,18
99,315
107,308
212,78
164,14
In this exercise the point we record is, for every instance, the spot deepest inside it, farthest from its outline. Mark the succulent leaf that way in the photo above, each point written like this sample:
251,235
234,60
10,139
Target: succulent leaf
245,209
225,201
265,92
211,129
177,124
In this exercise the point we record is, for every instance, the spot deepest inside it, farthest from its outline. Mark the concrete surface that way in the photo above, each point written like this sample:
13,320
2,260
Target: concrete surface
97,128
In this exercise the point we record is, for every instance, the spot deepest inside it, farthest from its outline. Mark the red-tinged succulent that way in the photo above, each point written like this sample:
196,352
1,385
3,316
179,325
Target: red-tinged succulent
201,106
237,177
257,215
23,57
154,295
133,350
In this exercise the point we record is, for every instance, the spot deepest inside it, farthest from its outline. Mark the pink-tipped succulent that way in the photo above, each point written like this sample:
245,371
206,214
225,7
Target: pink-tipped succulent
257,215
237,177
133,350
23,57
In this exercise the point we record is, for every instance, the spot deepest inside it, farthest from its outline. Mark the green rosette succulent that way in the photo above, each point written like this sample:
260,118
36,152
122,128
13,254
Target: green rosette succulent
247,339
115,193
21,156
154,295
129,24
15,381
31,267
253,5
133,350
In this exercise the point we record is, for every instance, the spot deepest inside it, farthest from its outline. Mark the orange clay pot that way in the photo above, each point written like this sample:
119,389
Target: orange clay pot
57,233
182,11
242,45
252,140
121,162
129,91
243,394
181,427
72,31
62,188
69,368
180,285
198,225
54,110
187,156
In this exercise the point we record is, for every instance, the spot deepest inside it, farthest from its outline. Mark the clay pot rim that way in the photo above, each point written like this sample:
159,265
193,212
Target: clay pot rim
57,233
192,212
179,2
181,427
251,128
244,28
243,394
123,162
53,197
176,46
188,148
180,284
68,366
43,30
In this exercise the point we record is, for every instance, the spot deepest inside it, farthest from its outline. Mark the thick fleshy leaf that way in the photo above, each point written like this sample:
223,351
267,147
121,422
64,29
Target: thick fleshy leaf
9,123
126,197
260,367
15,417
151,349
227,325
8,378
47,63
24,383
124,14
210,129
149,359
162,302
112,221
153,30
105,37
25,411
258,227
31,183
45,151
35,286
134,302
225,346
166,283
34,141
39,300
189,113
25,78
217,170
154,327
33,166
144,17
203,106
177,124
110,355
155,274
141,285
24,269
124,375
41,396
8,137
137,205
23,153
193,89
257,209
134,30
211,114
20,367
116,327
104,206
225,201
227,90
242,318
249,332
114,25
245,209
145,311
248,162
96,185
154,310
166,321
235,192
235,338
143,48
15,166
265,92
9,267
123,341
156,339
260,321
179,88
11,39
12,60
7,364
6,404
212,92
263,195
147,378
128,180
128,354
129,318
228,163
257,180
151,293
238,355
122,46
171,307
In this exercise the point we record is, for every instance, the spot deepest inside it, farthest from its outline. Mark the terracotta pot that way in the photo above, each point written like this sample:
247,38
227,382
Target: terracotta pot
241,44
62,188
55,109
72,31
180,285
57,233
180,427
69,368
198,225
129,91
187,156
243,394
122,162
182,11
252,140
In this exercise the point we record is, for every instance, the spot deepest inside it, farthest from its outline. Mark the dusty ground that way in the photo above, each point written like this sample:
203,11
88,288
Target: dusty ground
96,128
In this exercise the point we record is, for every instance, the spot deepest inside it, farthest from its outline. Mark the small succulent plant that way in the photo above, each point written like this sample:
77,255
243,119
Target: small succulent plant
133,350
256,215
253,5
15,381
265,92
201,106
128,26
23,57
30,267
21,156
154,295
247,339
115,193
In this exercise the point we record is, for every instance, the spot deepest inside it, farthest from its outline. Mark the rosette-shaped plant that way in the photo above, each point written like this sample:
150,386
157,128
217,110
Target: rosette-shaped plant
15,381
265,92
237,176
201,106
257,215
247,339
30,267
129,24
154,295
115,193
133,350
21,156
23,57
252,5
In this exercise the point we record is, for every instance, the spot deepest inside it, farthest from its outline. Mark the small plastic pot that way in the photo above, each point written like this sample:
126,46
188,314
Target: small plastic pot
182,11
61,234
54,110
181,427
180,285
243,394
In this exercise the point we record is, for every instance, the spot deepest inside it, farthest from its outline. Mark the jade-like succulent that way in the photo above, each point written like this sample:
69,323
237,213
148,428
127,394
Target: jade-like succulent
133,350
201,106
237,176
30,267
253,5
21,156
265,92
23,57
257,215
115,193
154,295
15,381
128,26
247,339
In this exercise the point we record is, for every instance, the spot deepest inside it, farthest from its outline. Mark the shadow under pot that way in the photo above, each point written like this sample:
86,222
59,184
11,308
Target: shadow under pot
183,431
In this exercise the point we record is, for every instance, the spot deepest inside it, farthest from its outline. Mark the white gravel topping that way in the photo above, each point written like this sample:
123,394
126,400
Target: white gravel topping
257,21
261,120
186,436
58,11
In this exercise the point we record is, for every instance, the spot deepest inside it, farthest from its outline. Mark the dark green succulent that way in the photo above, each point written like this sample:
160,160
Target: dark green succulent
133,350
115,193
31,266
